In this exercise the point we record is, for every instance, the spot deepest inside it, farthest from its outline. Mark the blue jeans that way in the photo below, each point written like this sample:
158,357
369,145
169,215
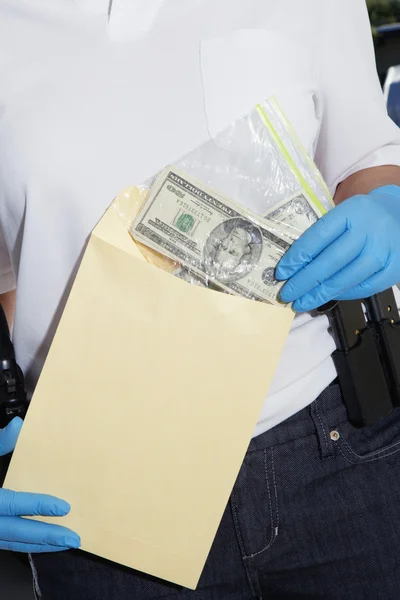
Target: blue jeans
315,514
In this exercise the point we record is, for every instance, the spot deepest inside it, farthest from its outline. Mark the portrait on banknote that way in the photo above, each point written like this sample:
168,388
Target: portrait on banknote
232,249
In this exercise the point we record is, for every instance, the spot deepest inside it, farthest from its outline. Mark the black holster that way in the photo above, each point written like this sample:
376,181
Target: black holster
13,399
367,359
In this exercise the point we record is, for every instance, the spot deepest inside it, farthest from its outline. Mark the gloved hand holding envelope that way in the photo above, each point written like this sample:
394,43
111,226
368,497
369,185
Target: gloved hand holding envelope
152,388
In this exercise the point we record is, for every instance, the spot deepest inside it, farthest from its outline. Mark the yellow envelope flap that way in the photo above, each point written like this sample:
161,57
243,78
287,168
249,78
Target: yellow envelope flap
114,225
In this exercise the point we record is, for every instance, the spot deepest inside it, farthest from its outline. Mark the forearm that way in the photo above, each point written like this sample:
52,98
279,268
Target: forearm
8,302
367,180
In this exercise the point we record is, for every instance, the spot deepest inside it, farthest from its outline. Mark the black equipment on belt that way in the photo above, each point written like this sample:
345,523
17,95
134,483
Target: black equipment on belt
13,401
367,359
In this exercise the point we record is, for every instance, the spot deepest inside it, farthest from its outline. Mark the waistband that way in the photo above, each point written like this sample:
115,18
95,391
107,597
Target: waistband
328,407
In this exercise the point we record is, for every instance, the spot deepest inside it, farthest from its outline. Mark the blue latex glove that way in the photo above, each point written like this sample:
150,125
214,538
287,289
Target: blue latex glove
23,535
351,252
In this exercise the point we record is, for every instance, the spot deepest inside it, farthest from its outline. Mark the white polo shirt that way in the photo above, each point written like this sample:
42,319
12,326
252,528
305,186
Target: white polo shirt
96,96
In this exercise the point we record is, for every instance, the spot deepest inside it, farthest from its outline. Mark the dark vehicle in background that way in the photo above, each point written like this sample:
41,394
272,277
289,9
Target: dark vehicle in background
387,48
387,51
391,90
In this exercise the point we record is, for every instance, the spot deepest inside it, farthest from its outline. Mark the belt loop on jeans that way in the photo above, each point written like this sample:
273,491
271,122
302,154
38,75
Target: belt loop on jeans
322,430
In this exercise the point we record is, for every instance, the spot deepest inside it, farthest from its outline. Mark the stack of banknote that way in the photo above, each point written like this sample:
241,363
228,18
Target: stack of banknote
214,242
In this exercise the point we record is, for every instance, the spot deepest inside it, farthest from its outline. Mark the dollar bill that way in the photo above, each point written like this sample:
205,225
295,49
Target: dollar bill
190,277
222,244
294,215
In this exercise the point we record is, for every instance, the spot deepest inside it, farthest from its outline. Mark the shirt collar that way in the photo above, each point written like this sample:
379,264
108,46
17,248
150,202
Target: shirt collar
133,17
94,7
127,18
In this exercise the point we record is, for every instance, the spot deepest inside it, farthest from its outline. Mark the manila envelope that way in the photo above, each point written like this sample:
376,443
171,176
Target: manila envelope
146,405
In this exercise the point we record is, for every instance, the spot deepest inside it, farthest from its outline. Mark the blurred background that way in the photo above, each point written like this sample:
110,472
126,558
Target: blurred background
385,22
15,579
